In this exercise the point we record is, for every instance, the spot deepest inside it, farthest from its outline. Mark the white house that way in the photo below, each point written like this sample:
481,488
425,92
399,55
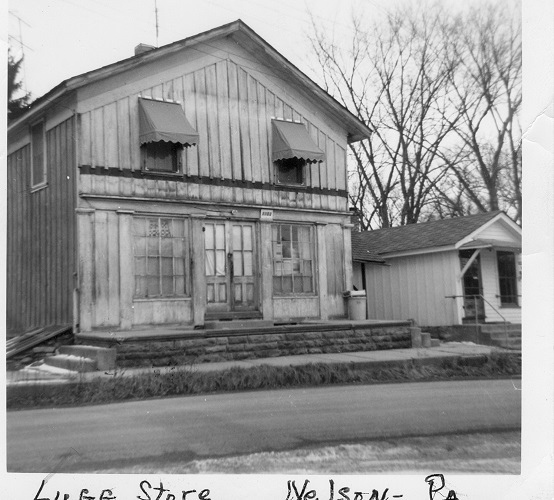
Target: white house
445,272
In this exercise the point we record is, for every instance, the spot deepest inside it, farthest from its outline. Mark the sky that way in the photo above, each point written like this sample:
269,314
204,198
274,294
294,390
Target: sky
64,38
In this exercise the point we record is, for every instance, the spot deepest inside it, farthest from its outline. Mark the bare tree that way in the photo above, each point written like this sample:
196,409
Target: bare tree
484,45
441,92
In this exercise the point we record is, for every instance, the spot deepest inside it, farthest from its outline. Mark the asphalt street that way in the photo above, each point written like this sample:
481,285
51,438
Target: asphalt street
177,430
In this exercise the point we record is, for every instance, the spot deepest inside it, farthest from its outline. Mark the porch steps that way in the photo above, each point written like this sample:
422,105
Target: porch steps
422,339
507,336
82,358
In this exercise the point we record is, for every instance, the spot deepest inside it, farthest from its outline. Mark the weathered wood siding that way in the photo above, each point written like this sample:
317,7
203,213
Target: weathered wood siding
232,112
335,270
414,288
41,235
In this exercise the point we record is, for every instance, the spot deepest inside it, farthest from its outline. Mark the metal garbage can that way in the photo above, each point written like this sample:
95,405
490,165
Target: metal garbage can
356,300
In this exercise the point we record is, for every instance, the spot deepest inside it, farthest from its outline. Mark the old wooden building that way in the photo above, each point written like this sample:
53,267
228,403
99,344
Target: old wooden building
203,179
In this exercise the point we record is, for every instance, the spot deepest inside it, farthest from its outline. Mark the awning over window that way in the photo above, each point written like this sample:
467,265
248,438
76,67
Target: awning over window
164,121
291,140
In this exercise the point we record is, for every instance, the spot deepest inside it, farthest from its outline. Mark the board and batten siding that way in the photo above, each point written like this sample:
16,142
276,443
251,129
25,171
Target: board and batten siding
41,235
414,287
232,112
106,269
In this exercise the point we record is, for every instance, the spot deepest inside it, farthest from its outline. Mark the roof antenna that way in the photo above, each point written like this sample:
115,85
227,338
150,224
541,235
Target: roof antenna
156,11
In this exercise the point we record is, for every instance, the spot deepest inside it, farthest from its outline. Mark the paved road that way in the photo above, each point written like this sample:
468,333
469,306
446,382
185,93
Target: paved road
177,430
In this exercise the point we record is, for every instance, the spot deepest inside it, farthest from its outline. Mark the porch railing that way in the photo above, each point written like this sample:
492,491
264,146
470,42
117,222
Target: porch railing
475,298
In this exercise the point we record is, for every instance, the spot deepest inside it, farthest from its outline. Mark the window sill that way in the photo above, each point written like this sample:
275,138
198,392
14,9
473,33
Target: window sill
510,306
307,295
162,299
39,187
163,173
296,186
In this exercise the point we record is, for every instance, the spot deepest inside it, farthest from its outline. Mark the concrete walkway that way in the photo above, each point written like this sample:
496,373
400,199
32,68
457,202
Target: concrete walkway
366,359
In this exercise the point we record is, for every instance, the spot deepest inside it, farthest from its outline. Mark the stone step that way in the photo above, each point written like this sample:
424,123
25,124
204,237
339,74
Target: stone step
425,339
509,344
502,335
103,357
500,327
246,324
435,342
70,362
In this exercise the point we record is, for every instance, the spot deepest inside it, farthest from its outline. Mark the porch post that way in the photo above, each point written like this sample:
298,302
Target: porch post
86,266
198,269
126,278
321,253
266,274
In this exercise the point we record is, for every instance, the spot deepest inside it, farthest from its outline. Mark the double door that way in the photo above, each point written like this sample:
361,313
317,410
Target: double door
231,267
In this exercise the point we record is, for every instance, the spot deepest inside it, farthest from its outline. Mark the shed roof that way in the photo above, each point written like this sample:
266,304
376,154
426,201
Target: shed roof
239,33
416,237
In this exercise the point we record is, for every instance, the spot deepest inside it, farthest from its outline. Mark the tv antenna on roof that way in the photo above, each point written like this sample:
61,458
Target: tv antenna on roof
156,11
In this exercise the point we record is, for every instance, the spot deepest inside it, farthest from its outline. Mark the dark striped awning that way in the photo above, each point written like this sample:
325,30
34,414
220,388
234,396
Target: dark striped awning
164,121
291,140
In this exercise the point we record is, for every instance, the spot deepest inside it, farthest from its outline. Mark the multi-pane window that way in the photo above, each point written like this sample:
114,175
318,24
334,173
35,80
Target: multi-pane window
160,257
293,262
507,278
38,147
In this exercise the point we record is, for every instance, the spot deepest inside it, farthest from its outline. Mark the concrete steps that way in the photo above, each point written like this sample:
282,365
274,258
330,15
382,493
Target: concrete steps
422,339
82,358
507,336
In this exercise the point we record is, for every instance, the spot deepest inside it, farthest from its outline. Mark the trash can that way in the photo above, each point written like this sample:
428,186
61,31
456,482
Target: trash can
356,300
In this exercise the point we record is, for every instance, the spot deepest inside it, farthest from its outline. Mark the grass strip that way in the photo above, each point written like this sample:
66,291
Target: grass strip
188,381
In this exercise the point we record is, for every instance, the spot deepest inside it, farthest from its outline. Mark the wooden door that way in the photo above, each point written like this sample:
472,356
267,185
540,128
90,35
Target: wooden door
474,306
231,274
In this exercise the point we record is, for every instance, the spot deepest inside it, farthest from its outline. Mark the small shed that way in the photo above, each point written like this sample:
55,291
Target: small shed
444,272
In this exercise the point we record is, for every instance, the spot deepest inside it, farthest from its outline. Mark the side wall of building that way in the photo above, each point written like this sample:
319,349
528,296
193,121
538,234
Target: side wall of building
41,233
414,287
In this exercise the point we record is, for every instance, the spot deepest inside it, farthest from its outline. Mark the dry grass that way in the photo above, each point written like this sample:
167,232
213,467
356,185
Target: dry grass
188,381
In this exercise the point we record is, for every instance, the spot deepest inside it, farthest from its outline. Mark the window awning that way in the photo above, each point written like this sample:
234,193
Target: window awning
291,140
164,121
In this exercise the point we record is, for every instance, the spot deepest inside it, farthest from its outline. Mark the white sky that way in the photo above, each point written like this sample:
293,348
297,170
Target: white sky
64,38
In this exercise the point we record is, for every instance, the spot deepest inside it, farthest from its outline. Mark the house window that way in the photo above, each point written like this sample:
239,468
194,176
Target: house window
293,259
507,278
38,155
291,171
160,257
161,156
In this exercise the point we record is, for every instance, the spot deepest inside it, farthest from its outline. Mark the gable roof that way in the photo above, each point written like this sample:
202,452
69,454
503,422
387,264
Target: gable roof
241,34
418,237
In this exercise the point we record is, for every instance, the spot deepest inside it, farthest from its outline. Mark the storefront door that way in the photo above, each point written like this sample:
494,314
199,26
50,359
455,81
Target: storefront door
231,271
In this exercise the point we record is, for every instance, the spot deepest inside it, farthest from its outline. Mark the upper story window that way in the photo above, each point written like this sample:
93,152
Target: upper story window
292,150
161,156
163,130
291,171
38,156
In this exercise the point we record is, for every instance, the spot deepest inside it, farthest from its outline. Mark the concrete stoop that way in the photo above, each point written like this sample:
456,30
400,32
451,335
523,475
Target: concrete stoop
507,336
82,358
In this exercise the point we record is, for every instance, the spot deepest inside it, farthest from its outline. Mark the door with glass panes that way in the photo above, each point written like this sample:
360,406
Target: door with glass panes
230,256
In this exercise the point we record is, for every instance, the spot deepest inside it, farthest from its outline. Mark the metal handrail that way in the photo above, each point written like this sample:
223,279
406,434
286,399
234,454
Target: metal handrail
475,297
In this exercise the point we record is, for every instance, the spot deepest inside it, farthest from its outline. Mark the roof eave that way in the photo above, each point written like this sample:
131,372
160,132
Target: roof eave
356,130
